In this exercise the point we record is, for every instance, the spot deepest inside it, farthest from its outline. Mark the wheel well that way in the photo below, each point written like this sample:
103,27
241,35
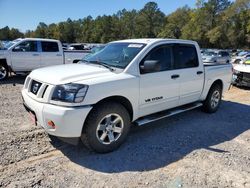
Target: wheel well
119,99
76,61
217,82
3,62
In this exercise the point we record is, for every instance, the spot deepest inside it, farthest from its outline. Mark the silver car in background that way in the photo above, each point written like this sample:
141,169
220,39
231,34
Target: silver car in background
216,57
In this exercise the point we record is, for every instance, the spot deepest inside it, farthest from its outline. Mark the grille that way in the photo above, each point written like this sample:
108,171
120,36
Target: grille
246,76
35,86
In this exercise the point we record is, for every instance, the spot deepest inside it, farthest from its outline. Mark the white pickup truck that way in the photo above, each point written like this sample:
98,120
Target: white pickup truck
24,55
130,81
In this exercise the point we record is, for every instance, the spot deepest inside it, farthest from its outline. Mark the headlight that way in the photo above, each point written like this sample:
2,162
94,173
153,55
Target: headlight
71,93
235,71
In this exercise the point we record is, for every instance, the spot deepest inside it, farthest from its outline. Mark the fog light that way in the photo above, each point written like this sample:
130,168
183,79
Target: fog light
51,124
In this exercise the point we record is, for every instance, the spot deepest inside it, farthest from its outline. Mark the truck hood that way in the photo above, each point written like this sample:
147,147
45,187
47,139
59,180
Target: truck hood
62,74
242,68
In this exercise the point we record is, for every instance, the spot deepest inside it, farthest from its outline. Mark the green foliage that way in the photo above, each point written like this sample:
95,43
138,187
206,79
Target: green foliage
174,25
10,34
213,23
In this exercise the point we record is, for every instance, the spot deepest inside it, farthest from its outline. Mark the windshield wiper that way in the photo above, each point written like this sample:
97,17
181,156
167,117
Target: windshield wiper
99,63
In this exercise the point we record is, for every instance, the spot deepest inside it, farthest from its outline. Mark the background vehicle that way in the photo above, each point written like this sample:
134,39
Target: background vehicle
76,46
241,74
129,81
241,57
94,50
24,55
216,57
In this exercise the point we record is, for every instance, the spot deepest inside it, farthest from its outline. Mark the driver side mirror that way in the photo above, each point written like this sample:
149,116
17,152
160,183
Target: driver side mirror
149,66
18,49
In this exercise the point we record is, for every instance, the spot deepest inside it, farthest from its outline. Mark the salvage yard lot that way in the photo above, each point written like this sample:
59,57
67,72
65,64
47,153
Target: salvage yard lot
193,149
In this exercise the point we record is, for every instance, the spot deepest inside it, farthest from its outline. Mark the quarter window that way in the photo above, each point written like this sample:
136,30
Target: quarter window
185,56
50,46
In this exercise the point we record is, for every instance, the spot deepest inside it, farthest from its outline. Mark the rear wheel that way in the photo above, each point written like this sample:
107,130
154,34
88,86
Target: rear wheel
106,127
213,100
4,73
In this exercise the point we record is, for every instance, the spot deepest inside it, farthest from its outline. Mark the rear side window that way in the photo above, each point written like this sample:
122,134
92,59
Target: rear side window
50,46
185,56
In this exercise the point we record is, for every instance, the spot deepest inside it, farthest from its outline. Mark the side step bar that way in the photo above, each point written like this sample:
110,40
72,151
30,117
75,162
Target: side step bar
166,113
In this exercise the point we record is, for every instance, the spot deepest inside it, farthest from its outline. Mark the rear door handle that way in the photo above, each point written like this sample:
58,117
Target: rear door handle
175,76
58,54
200,72
35,54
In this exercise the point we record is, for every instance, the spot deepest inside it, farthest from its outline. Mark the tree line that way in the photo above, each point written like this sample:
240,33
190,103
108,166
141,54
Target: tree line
212,23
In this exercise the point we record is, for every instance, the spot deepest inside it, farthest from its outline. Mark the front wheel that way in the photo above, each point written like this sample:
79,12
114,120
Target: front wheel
4,73
106,127
213,100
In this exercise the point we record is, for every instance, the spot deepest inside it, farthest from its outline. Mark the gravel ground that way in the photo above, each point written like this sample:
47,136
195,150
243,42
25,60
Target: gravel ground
193,149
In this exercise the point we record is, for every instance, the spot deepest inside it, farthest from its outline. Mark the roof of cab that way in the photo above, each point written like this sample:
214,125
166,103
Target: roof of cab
40,39
155,40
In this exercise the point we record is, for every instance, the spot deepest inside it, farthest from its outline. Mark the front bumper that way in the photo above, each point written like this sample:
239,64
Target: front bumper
241,79
68,121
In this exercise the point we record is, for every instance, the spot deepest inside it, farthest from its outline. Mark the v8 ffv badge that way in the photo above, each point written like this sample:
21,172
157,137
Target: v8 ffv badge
154,99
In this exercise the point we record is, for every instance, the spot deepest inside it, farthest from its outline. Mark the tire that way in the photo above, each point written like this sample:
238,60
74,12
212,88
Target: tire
105,120
4,72
213,100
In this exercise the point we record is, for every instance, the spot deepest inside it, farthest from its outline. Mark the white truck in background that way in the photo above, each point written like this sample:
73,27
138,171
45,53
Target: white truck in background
24,55
130,81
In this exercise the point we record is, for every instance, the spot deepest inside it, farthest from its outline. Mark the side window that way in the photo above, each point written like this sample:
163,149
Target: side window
163,56
224,54
185,56
26,46
49,46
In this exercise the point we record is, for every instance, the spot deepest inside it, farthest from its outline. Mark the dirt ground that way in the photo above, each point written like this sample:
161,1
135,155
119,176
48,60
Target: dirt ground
193,149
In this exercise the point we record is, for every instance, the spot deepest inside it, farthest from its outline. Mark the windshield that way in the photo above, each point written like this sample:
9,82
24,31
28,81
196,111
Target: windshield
7,45
116,54
209,53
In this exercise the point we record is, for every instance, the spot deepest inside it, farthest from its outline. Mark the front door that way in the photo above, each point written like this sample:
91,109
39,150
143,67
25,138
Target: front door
159,89
25,56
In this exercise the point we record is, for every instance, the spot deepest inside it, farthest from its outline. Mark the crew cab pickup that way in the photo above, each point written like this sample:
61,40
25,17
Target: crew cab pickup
24,55
130,81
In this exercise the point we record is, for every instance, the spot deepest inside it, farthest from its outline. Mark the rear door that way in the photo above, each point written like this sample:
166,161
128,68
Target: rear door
191,72
51,54
25,56
159,89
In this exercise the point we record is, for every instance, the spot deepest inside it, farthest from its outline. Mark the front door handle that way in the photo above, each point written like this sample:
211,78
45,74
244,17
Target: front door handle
35,54
175,76
58,54
199,72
